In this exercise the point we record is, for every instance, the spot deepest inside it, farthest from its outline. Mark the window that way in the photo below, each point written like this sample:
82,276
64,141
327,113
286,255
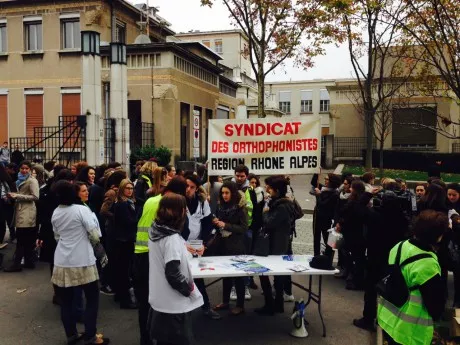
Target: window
34,110
218,45
324,101
120,32
70,33
405,135
207,44
285,101
33,34
2,36
306,101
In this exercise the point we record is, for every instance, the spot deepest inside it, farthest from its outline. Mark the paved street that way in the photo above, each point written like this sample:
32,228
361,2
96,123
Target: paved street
29,318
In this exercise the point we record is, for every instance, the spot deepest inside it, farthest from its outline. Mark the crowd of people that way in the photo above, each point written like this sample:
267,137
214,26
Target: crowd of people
130,238
103,233
373,221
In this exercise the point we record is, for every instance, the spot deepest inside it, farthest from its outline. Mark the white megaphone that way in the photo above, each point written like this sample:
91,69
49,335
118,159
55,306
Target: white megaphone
297,318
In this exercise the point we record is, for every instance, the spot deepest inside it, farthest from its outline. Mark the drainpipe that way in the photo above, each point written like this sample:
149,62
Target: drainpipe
113,21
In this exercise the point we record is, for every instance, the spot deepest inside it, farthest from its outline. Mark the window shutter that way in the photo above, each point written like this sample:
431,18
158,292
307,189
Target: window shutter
3,118
71,104
324,95
306,95
34,113
285,96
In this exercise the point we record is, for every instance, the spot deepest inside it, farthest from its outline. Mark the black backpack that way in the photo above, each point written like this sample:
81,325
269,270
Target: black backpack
393,286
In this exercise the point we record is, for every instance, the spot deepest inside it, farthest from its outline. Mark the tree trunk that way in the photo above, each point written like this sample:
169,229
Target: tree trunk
261,95
381,157
369,121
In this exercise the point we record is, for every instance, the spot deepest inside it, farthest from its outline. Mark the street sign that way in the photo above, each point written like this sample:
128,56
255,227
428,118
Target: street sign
196,122
196,138
196,152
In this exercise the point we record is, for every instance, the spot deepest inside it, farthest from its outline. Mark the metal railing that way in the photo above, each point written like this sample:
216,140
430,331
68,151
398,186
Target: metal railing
350,146
456,148
65,143
109,140
148,131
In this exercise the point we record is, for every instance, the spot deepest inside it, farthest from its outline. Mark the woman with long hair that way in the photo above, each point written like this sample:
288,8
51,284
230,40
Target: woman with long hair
172,292
124,235
87,175
25,218
159,182
46,205
351,222
144,182
434,199
6,205
75,263
232,222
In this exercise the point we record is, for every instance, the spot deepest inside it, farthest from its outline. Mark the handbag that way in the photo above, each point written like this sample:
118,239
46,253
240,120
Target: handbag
262,244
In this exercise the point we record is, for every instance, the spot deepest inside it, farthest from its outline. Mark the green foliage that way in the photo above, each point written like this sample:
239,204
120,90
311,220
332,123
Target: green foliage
407,175
162,153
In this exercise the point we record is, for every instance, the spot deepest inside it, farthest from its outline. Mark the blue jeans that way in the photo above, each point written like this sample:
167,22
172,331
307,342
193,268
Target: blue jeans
68,305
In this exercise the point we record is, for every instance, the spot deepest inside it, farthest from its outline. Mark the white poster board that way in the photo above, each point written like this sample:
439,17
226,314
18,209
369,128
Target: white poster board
273,146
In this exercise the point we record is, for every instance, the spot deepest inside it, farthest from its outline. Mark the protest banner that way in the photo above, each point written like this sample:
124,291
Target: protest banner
271,146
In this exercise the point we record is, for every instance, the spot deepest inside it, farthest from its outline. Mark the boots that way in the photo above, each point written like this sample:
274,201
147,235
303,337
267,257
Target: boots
268,308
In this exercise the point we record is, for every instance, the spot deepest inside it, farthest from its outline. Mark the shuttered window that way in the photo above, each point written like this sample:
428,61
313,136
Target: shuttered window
71,104
34,113
70,107
406,135
3,118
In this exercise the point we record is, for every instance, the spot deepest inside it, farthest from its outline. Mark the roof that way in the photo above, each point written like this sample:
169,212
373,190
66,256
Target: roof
299,82
223,79
211,33
167,46
200,45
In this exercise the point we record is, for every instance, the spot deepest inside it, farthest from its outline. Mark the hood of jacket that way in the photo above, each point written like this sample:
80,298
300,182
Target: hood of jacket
202,194
282,202
159,231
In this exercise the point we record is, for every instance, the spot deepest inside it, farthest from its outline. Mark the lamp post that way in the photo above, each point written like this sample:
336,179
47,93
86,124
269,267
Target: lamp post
119,102
92,96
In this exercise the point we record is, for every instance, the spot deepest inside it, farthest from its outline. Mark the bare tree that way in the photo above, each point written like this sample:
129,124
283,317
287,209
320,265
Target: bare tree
278,30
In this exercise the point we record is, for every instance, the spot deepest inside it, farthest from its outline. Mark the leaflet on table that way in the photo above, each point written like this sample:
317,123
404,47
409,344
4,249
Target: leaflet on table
298,258
243,258
252,267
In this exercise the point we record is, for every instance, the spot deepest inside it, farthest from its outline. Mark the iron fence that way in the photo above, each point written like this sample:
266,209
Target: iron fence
148,130
65,143
109,140
350,146
456,148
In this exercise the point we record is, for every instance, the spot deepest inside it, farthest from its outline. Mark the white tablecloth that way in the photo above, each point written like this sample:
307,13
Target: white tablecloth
221,267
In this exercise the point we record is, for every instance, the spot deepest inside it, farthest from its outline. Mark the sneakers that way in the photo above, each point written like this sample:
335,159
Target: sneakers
288,298
247,294
13,268
211,314
233,294
107,290
3,245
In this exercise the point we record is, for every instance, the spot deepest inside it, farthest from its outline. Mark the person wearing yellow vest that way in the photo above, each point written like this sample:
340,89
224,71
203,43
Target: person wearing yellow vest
144,182
141,254
412,324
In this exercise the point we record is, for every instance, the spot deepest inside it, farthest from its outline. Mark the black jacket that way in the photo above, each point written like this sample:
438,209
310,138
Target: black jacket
125,221
277,223
140,190
236,222
353,218
326,205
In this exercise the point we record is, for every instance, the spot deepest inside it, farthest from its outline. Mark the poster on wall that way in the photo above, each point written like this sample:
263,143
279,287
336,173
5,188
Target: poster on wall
196,134
273,146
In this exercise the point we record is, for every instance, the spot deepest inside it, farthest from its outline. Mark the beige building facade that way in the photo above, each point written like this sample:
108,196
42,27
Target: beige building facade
303,98
233,47
168,82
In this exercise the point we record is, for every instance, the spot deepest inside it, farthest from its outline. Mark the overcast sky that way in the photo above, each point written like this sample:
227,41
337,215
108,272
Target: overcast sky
186,15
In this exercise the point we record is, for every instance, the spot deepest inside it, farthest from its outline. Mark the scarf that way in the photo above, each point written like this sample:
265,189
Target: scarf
159,231
226,212
327,189
344,196
21,178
